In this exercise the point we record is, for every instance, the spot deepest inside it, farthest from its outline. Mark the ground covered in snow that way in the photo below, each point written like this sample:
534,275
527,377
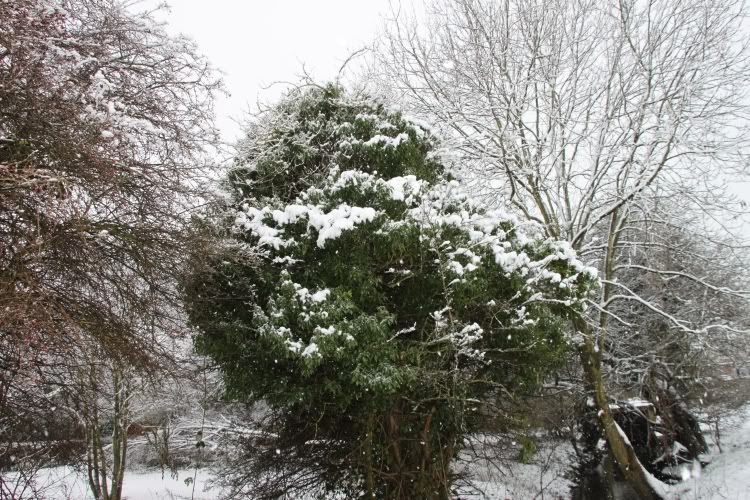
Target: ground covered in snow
545,476
727,477
65,483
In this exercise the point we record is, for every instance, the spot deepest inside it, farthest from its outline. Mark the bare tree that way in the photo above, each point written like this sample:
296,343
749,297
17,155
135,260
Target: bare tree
103,395
695,278
582,110
105,126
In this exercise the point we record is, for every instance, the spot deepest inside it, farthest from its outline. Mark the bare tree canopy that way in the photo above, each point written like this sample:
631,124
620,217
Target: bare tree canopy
579,106
592,117
105,125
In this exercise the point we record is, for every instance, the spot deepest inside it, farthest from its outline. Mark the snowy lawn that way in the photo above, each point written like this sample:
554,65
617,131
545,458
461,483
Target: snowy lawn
543,478
726,478
65,483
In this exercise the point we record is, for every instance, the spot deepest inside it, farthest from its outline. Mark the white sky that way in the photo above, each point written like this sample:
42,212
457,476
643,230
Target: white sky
258,42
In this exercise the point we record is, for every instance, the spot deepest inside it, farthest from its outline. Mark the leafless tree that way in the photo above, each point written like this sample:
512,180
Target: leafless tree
582,111
105,125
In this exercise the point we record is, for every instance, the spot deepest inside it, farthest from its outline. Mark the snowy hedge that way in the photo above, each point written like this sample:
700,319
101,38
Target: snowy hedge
363,294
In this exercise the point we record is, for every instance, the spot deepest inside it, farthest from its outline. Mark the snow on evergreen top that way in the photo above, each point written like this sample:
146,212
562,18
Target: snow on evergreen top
366,241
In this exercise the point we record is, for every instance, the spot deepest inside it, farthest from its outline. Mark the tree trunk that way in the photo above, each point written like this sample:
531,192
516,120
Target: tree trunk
416,468
106,484
622,452
120,431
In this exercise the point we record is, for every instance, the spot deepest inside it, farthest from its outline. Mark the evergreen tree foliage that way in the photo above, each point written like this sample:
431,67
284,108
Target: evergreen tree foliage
368,300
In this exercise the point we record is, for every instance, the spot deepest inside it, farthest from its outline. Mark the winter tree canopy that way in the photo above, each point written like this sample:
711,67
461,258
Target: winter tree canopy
105,120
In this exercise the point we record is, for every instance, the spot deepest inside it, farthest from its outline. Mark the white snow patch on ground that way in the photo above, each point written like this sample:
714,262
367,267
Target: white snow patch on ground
65,483
727,477
544,477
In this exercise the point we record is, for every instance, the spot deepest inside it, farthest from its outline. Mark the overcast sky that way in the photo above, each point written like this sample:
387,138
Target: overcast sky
257,42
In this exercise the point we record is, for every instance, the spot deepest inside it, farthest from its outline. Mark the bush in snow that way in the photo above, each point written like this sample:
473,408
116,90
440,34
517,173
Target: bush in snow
368,300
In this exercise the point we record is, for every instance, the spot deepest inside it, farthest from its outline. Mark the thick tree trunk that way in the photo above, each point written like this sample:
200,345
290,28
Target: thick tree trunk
622,452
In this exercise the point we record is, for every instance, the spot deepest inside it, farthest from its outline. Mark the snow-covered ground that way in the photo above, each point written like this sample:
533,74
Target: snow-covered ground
726,478
544,477
65,483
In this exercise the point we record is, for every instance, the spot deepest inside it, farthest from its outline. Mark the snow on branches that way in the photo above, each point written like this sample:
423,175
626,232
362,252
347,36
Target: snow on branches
374,276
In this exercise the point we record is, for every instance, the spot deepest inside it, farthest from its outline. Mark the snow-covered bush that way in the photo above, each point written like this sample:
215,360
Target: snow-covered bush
369,300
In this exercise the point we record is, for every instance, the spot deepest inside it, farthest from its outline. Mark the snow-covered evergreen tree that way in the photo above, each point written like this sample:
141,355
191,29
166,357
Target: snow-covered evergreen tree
369,301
